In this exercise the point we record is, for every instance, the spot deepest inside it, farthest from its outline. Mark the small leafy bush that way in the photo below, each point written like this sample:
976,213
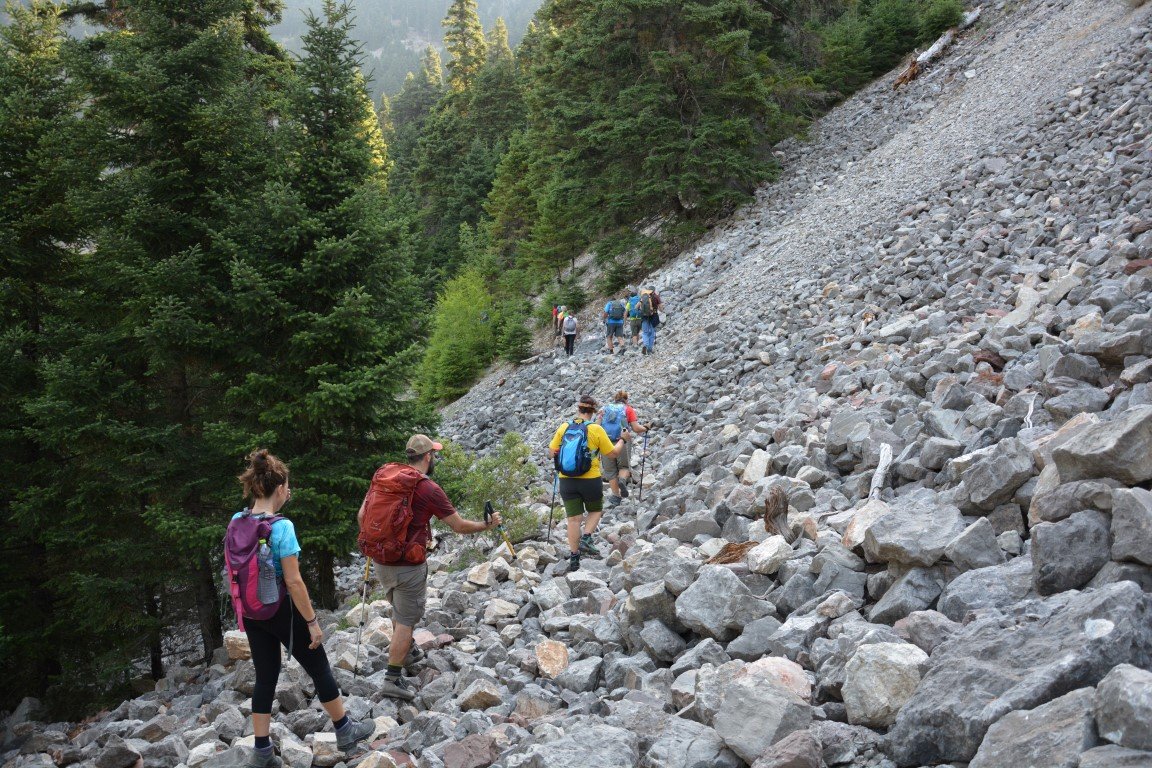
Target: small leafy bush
938,16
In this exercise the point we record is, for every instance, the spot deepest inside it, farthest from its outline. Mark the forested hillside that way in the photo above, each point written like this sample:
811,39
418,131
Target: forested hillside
210,244
394,33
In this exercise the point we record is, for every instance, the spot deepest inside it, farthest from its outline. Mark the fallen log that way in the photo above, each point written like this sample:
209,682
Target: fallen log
916,66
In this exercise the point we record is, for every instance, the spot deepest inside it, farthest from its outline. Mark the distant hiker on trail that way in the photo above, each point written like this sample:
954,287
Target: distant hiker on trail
395,528
576,448
556,319
617,418
262,556
634,320
614,312
569,324
650,317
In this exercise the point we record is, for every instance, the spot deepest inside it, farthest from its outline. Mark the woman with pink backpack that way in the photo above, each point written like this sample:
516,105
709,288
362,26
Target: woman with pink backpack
273,607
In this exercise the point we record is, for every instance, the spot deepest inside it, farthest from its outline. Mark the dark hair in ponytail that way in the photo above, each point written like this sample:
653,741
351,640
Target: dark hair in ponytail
265,473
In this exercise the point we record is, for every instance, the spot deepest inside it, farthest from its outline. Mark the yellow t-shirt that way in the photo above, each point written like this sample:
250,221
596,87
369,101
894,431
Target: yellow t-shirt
598,443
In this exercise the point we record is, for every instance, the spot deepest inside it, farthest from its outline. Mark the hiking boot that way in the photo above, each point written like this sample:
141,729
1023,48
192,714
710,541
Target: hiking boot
354,731
613,501
397,688
573,563
263,758
588,546
414,657
623,489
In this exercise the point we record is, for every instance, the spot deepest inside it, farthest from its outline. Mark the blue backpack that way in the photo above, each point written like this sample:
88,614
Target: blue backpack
574,457
613,421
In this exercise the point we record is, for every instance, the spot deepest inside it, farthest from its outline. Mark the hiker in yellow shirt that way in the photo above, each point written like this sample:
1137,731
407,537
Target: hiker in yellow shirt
576,448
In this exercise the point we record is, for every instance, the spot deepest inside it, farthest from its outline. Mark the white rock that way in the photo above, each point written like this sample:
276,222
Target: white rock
767,556
236,643
498,609
879,680
378,631
757,467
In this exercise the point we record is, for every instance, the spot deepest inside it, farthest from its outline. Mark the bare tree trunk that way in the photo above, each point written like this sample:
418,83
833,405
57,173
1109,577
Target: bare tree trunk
208,608
155,649
325,580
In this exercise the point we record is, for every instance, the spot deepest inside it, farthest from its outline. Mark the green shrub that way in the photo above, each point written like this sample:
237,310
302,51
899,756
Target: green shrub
939,16
845,55
463,338
514,339
893,29
500,477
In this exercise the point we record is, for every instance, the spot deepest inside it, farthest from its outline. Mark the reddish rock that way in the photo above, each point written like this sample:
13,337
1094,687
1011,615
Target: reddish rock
476,751
799,749
1135,266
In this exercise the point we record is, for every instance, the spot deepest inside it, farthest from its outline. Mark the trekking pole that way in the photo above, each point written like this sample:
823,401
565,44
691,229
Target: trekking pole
552,504
363,614
643,456
488,512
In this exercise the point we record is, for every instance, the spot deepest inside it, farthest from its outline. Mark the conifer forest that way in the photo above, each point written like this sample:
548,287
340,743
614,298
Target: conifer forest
210,242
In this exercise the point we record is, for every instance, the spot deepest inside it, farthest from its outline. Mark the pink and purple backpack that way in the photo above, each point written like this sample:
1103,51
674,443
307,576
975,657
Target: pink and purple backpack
242,566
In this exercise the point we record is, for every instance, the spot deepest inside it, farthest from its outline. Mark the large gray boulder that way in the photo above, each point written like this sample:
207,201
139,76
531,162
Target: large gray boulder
1120,448
1052,735
975,547
718,604
756,714
1068,498
1132,525
1123,707
1067,554
670,741
581,676
915,531
1019,660
1112,756
997,586
590,743
993,480
914,590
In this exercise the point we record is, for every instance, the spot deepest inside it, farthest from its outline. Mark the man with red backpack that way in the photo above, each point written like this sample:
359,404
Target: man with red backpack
395,528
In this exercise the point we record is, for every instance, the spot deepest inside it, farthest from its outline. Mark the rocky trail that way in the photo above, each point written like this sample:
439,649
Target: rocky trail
930,342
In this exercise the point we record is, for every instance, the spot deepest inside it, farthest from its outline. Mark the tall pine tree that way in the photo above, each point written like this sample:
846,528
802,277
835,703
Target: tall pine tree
44,165
181,101
464,40
328,300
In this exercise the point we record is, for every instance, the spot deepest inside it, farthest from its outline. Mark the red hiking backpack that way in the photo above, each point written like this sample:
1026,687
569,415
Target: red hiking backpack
385,534
242,545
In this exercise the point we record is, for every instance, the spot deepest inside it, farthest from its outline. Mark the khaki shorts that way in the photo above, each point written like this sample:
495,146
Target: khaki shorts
610,468
406,587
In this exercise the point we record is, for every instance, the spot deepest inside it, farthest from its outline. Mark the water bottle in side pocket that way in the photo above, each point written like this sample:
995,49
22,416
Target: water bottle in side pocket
267,591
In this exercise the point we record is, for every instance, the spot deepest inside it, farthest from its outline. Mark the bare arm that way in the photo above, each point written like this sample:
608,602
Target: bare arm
463,525
296,587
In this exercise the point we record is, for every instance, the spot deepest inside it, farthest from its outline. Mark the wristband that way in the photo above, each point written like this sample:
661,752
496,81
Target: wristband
314,620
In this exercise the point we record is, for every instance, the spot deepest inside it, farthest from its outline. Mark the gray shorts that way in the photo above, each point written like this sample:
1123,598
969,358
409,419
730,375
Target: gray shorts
610,468
406,587
616,330
636,325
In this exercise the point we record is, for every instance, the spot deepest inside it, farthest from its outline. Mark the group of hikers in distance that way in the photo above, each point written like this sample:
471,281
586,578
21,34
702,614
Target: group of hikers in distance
639,309
271,600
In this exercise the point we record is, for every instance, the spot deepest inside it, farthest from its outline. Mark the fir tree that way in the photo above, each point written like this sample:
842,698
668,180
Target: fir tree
44,166
133,401
464,39
330,303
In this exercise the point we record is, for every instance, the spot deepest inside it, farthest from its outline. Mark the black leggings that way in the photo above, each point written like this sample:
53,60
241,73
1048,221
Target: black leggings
569,342
265,636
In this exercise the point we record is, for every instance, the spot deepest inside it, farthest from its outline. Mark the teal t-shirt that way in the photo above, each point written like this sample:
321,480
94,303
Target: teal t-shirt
283,543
